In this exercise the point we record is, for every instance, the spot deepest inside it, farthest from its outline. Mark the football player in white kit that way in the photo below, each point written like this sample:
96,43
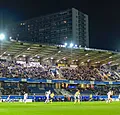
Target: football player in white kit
119,97
25,97
47,94
8,98
109,97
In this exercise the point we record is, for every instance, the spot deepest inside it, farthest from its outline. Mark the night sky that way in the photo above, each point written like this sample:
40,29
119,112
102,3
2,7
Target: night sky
104,16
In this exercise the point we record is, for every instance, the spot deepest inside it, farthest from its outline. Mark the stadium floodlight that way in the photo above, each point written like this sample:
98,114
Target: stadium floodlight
2,36
10,37
65,44
75,45
71,45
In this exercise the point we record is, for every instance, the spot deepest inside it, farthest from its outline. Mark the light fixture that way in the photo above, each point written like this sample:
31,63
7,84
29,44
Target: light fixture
71,45
24,55
28,49
2,36
65,44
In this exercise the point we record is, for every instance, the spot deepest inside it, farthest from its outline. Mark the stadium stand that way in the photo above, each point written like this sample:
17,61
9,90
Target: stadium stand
38,61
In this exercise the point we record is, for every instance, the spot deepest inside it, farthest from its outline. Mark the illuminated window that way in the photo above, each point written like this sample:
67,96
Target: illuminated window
22,23
65,21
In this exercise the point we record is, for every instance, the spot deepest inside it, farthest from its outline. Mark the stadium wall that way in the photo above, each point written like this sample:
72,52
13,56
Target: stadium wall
58,81
41,98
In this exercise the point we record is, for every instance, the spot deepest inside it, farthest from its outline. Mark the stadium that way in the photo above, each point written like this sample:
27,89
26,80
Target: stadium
63,69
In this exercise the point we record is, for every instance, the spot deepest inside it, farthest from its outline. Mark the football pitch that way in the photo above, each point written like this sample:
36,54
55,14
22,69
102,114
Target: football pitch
60,108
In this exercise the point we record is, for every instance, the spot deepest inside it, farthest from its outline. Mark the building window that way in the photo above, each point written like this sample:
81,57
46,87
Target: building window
22,24
65,21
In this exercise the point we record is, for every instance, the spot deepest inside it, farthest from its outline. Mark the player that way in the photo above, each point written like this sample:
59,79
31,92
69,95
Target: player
109,97
77,97
51,97
0,99
111,94
119,97
8,98
25,97
47,94
34,97
91,97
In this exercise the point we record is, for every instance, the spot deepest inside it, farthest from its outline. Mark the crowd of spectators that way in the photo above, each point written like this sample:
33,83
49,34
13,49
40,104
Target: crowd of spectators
113,75
17,70
103,90
89,74
81,73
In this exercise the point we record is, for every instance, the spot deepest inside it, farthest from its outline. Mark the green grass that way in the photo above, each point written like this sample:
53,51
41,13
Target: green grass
60,108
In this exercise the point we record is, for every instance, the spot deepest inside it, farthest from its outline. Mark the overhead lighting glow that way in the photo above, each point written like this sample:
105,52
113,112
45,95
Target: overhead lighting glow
2,36
65,44
24,55
71,45
28,49
10,37
75,45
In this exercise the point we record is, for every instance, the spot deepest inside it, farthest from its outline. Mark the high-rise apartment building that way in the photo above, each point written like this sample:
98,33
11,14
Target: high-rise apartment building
69,26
